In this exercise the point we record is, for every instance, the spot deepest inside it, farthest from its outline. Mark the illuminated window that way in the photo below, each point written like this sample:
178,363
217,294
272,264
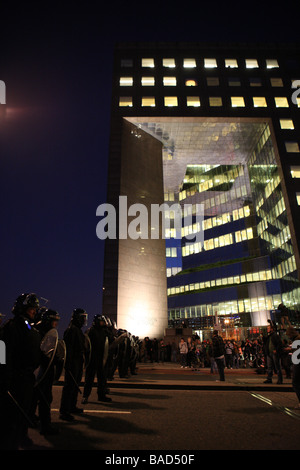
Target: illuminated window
215,101
171,252
281,102
292,147
298,198
259,102
190,83
171,101
148,81
126,81
272,63
276,82
286,124
169,81
251,63
233,81
193,101
148,101
237,101
125,101
231,63
169,63
210,63
295,171
148,62
212,81
189,63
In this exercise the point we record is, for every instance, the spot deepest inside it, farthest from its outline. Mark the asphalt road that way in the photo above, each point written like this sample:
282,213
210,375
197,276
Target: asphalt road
177,420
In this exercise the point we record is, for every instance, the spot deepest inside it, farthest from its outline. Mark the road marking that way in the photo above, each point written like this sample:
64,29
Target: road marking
284,409
100,411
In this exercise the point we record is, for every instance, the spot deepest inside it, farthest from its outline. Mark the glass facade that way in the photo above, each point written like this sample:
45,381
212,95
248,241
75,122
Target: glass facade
246,262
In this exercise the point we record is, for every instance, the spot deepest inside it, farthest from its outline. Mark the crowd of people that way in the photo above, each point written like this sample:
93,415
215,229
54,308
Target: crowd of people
195,354
36,358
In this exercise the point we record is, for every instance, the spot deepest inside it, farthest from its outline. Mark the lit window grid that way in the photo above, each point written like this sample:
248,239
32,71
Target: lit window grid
234,306
206,62
280,102
286,267
235,101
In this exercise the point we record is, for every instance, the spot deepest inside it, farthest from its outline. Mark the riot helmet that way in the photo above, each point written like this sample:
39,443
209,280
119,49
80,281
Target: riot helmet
79,317
100,321
50,318
27,305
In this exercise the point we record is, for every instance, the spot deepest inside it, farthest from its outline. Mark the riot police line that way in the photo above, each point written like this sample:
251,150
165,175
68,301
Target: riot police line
36,359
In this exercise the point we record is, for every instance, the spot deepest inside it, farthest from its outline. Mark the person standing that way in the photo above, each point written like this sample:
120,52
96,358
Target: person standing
43,389
218,353
273,351
75,353
98,334
23,357
183,350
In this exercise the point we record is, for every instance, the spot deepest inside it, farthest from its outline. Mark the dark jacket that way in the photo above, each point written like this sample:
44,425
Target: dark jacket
218,348
75,346
272,341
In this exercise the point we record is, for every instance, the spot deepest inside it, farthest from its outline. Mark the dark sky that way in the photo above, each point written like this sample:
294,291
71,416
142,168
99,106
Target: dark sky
56,62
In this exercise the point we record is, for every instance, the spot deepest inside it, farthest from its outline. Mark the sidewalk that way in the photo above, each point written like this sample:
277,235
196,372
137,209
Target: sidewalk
171,376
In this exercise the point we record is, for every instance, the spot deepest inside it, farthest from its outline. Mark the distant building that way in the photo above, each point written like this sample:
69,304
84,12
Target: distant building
219,126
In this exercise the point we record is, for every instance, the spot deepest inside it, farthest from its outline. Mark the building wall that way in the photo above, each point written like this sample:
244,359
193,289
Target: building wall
142,286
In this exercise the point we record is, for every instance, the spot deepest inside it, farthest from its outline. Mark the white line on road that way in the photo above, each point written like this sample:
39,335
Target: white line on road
100,411
284,409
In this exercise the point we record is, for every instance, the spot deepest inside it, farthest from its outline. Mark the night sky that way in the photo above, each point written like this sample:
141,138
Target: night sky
56,62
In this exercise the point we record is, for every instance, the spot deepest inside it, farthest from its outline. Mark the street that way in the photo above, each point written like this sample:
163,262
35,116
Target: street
178,420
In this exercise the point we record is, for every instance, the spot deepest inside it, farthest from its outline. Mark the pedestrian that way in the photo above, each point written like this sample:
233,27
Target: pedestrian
273,351
23,357
228,354
294,335
162,351
183,350
218,353
75,347
212,361
191,352
155,350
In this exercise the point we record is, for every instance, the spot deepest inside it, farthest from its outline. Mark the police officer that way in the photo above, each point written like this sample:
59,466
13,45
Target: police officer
43,390
75,353
113,351
23,357
99,337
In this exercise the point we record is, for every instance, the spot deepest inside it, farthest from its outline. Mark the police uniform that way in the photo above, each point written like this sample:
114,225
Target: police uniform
43,389
99,337
23,356
75,353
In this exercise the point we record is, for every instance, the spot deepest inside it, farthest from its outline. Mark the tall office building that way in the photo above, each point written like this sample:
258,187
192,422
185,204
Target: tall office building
218,127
